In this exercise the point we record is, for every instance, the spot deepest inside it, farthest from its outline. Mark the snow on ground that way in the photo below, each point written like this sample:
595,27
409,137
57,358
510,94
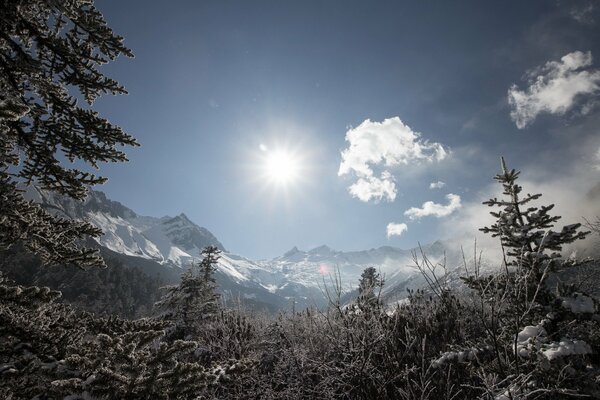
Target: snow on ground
455,356
530,339
566,347
579,303
534,339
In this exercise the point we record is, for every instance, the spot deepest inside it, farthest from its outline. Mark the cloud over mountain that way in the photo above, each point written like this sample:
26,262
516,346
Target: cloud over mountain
394,229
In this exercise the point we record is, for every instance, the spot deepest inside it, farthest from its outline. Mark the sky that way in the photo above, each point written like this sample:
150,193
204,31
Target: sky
352,124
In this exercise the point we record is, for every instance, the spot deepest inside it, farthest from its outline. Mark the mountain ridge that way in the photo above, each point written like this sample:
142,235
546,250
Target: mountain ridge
297,276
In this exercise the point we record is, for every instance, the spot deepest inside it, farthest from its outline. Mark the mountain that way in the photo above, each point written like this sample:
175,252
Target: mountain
168,245
175,241
161,245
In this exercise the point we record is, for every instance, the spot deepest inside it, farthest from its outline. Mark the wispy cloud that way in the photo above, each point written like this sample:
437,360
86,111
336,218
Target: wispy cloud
554,88
383,145
394,229
429,208
583,13
437,185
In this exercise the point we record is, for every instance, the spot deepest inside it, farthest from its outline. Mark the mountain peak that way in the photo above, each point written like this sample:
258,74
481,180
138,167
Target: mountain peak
324,249
181,220
291,252
184,217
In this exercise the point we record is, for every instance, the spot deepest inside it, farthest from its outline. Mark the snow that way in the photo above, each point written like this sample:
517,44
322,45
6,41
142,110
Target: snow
533,338
403,302
455,356
566,347
123,237
148,237
270,288
178,256
227,266
513,393
529,332
580,303
530,339
7,369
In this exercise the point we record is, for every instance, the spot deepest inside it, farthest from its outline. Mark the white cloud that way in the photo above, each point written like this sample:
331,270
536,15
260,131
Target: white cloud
383,144
434,209
437,185
372,187
554,88
394,229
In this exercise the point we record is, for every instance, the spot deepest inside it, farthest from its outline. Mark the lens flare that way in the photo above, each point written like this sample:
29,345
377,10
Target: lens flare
324,269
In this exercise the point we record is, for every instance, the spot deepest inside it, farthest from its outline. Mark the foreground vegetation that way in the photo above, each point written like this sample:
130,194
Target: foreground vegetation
510,335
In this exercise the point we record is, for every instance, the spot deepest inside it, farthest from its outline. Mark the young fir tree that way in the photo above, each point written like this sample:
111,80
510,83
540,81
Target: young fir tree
532,248
49,50
524,230
532,333
207,269
194,300
369,285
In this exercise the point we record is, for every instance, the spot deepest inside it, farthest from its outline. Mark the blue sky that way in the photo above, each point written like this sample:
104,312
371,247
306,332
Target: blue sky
424,86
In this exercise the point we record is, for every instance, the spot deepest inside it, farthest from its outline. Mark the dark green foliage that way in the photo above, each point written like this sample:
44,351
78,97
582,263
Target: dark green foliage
117,290
49,350
133,365
369,288
49,52
32,333
206,272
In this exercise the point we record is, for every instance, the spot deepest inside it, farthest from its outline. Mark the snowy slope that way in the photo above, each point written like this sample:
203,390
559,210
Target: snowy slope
175,242
311,268
168,240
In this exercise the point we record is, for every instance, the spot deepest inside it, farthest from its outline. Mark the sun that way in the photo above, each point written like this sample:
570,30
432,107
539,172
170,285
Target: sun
281,167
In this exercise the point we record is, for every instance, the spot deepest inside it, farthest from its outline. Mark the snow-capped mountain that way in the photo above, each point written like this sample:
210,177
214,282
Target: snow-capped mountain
175,242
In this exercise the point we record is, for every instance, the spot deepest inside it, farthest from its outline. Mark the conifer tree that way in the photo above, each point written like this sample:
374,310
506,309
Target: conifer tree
194,300
531,330
524,230
531,247
34,333
370,281
208,267
50,51
49,351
